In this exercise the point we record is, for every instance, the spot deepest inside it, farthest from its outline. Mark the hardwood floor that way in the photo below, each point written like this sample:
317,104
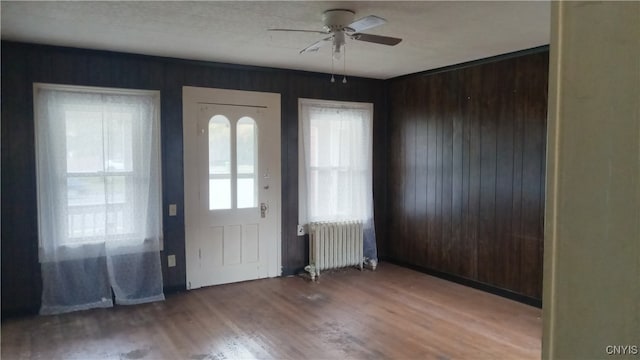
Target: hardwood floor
390,313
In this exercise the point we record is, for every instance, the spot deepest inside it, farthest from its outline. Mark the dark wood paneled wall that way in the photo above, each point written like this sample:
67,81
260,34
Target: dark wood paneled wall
24,64
466,171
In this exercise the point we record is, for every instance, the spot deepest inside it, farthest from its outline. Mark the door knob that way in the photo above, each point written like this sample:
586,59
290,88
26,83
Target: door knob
263,210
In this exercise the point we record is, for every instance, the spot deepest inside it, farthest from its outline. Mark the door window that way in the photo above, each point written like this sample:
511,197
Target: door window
219,163
246,141
233,147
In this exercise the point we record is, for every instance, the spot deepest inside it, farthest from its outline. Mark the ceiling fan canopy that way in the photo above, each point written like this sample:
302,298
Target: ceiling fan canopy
339,25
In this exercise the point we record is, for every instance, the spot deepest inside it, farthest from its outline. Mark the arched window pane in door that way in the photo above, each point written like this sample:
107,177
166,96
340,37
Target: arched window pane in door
219,163
246,142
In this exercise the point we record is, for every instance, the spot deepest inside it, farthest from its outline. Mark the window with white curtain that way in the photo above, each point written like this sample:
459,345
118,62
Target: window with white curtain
335,164
99,195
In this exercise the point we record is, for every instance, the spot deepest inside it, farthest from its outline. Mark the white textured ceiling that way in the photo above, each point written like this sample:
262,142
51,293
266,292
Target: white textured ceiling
435,34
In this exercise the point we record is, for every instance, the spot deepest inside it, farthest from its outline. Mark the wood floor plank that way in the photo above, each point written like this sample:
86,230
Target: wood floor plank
390,313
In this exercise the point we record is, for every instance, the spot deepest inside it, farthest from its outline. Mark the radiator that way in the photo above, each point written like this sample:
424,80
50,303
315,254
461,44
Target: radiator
334,245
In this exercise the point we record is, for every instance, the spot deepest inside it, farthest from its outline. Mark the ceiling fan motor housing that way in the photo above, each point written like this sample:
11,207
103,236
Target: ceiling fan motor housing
337,19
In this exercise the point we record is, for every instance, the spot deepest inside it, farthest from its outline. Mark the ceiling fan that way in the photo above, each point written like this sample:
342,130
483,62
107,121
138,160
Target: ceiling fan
339,25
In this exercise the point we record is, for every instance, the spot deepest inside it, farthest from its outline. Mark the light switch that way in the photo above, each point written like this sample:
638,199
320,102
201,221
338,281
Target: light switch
171,260
173,209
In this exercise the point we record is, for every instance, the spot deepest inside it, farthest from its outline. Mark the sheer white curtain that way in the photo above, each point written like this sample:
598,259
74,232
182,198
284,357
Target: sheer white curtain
99,203
335,177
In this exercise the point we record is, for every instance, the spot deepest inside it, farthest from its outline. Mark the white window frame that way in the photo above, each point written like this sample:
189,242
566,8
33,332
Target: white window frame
155,94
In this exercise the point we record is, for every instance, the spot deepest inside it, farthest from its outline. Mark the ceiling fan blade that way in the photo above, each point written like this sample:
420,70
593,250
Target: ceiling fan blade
316,45
377,39
366,22
298,30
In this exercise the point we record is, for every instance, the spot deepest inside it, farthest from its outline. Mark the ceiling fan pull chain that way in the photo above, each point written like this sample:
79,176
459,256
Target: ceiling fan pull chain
344,64
333,79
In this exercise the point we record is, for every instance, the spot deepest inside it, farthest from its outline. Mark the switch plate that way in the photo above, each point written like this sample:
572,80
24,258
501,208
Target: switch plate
301,231
173,209
171,260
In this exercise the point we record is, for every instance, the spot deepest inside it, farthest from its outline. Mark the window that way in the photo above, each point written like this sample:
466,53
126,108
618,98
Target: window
335,161
98,165
219,163
233,164
247,159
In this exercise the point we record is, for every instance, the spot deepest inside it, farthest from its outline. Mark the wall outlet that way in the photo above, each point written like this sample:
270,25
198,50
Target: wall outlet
171,260
301,231
173,209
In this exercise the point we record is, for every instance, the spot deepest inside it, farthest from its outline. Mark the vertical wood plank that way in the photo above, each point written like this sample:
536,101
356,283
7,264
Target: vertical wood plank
409,170
520,111
436,240
459,251
507,247
473,112
420,248
394,185
401,225
448,113
432,101
488,155
466,242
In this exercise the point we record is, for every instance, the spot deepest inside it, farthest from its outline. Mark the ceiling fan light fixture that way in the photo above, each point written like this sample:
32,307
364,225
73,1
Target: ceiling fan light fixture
338,44
336,53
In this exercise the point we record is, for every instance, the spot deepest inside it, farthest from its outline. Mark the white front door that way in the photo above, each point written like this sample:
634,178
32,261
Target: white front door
232,185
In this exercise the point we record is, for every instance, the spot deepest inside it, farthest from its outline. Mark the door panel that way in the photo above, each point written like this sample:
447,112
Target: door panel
231,245
232,190
250,248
